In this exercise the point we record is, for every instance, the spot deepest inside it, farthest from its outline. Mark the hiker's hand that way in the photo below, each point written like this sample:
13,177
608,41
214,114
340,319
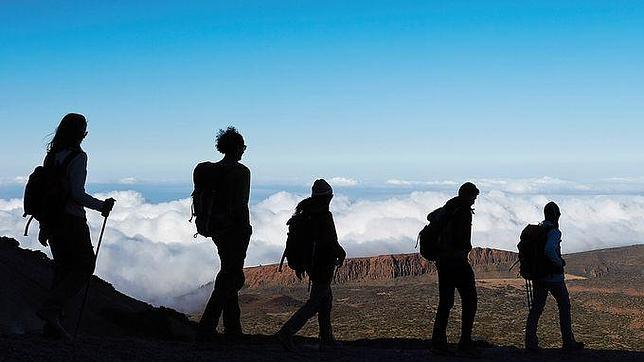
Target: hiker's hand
108,205
42,238
339,261
299,274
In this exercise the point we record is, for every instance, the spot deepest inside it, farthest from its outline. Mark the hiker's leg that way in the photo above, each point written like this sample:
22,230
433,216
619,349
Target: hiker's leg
560,292
445,304
212,312
324,315
231,310
307,311
62,268
469,302
540,293
74,261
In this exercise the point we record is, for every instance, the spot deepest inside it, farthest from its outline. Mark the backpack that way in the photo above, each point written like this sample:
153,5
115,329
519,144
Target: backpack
431,238
47,191
300,242
533,262
209,209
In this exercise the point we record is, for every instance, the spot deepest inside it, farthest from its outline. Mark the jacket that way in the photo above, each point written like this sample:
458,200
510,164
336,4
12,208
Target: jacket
327,248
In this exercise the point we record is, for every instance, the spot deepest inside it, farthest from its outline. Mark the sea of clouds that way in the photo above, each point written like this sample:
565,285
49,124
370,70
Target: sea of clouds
149,251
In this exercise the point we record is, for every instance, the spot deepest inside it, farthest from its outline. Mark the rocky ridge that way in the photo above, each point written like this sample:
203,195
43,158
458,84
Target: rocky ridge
487,263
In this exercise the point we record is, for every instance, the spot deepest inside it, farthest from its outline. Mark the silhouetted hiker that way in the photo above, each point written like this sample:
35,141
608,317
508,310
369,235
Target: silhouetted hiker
68,234
325,255
553,283
225,187
455,272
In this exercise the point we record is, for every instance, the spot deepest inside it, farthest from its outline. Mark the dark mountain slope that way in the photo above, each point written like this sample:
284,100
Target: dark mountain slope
25,276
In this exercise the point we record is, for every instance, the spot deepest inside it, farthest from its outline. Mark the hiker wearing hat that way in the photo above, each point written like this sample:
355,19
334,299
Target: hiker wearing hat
553,282
327,254
455,272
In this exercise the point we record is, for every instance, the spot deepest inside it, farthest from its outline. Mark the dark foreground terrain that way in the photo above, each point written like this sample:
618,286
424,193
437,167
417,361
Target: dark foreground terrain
262,348
384,307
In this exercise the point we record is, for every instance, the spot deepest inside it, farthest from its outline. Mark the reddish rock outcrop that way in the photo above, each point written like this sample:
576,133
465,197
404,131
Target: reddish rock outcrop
486,263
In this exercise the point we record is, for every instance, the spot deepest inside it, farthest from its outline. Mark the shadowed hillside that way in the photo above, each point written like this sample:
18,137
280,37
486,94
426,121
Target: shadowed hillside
25,276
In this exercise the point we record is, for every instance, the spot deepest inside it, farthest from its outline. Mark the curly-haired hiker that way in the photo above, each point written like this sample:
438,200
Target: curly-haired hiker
230,180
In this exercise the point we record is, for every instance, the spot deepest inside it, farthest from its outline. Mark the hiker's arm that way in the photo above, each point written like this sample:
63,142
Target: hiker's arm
242,196
332,237
462,230
77,178
554,236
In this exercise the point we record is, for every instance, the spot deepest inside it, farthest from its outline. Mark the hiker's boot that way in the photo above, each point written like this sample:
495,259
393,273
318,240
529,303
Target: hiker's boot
573,347
233,335
51,317
329,344
468,349
532,349
286,340
440,349
203,336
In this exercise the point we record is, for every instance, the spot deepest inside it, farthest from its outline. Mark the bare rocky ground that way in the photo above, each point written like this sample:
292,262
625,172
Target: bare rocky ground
384,307
602,319
262,348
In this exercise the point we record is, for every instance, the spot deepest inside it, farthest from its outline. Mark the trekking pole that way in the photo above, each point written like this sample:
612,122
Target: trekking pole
527,293
335,274
82,309
531,293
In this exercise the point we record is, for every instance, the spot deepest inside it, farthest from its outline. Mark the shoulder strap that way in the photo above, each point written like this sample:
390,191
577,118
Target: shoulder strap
64,166
547,228
68,160
50,159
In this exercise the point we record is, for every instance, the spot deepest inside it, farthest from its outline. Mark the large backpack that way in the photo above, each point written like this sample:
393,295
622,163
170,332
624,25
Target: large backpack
300,242
47,191
432,239
533,262
209,209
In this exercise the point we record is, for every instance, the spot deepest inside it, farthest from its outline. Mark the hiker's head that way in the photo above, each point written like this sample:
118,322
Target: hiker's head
321,190
231,143
551,212
70,132
468,192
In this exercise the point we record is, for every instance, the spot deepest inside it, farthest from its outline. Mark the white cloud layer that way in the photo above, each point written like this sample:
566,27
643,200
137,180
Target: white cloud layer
149,252
128,181
343,182
13,181
542,185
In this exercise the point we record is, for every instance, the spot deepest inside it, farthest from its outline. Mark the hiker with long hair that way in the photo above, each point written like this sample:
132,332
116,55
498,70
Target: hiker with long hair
552,282
455,272
228,217
319,263
68,235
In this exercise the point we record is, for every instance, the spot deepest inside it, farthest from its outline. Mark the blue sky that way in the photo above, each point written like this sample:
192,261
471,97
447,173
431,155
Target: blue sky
368,90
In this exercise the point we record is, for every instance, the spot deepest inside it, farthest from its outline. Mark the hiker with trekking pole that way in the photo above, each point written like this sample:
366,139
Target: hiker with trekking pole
55,196
312,248
542,267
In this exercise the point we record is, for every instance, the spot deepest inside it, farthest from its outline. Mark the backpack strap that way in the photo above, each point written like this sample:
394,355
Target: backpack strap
279,269
50,159
68,159
31,218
